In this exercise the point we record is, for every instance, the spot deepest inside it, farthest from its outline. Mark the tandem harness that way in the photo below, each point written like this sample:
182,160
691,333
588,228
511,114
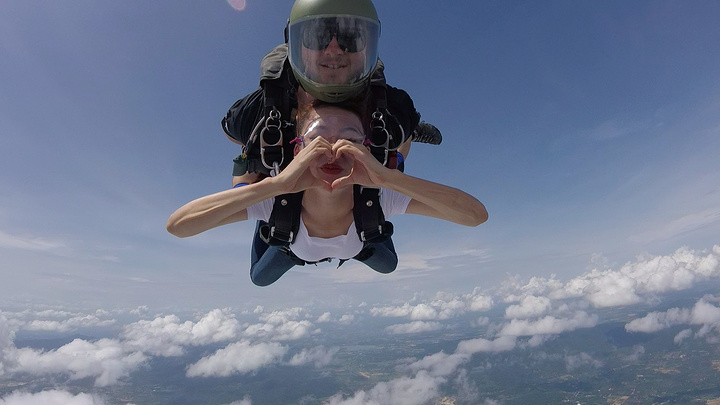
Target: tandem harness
263,122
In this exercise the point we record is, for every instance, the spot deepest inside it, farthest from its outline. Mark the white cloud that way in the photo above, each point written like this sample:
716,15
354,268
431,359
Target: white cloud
479,302
656,321
440,364
512,290
279,317
396,312
703,313
319,356
482,321
530,307
549,325
480,345
290,330
413,327
166,336
237,358
325,317
106,360
244,401
110,360
575,361
637,352
684,224
280,325
610,288
346,319
534,311
444,306
51,397
633,283
7,347
142,310
538,340
83,321
416,390
466,390
29,243
7,334
682,335
429,374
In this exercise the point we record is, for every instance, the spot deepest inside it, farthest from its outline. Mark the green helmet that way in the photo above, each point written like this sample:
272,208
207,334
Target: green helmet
333,46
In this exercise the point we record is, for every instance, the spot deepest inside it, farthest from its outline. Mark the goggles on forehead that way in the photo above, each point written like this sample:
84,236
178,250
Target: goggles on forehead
351,33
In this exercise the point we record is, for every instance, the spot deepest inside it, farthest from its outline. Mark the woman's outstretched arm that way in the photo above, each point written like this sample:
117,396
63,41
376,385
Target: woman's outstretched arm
218,209
428,198
437,200
231,205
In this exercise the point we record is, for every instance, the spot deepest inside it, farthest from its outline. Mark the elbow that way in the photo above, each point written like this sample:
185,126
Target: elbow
174,227
482,219
480,216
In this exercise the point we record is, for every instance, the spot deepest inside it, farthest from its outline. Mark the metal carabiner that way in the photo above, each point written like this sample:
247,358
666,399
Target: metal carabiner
377,125
273,126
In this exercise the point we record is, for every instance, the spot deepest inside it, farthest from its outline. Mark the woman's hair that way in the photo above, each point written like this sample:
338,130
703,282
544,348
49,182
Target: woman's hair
306,112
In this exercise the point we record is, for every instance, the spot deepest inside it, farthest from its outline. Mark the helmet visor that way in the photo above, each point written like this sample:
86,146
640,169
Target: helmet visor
333,50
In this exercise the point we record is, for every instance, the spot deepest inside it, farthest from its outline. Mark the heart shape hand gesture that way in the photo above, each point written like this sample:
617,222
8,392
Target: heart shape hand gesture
331,167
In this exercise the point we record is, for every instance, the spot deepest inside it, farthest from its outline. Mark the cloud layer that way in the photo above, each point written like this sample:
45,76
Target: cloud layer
532,313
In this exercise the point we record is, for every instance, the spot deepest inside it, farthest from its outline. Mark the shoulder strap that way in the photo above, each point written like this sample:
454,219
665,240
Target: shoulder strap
386,131
370,222
262,121
284,222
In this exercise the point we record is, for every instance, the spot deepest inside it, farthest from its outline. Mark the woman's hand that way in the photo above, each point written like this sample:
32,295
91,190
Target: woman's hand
366,170
298,176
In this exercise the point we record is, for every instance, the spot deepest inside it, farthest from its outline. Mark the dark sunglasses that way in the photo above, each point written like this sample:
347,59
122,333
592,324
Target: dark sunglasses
318,35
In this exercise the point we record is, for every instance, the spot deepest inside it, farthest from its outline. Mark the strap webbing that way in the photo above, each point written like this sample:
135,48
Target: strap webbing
370,221
284,222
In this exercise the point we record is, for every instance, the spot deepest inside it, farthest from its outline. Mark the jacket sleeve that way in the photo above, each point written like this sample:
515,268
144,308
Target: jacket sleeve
242,117
402,107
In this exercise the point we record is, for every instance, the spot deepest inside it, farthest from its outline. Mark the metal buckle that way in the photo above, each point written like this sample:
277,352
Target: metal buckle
272,235
378,126
273,125
364,239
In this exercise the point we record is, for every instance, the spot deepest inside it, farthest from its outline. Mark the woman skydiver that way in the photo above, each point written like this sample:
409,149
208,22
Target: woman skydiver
330,158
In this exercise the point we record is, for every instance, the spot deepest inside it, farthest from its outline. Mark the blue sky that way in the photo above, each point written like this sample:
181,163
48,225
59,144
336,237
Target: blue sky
590,130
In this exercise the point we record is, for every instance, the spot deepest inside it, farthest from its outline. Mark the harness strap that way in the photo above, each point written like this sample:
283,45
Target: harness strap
370,221
269,150
386,133
298,261
284,223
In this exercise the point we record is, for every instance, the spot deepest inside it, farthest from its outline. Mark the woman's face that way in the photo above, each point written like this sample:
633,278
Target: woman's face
333,124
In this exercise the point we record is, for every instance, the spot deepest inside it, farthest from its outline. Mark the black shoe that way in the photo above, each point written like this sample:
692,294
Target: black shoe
427,133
